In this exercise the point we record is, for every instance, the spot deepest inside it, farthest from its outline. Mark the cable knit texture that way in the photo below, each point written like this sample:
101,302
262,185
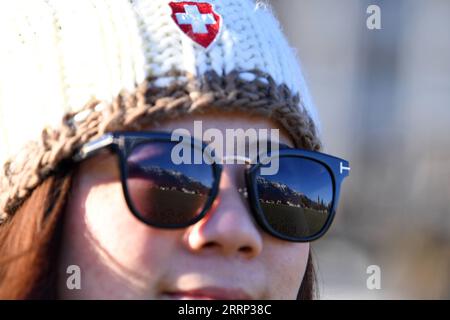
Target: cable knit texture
73,70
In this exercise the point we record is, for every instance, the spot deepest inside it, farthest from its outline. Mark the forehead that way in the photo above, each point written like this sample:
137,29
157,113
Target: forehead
232,123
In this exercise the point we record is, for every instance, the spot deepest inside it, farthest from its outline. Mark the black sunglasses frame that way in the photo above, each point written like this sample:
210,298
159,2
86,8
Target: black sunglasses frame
123,143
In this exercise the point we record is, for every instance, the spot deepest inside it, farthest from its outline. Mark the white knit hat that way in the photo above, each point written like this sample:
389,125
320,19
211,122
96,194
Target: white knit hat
72,70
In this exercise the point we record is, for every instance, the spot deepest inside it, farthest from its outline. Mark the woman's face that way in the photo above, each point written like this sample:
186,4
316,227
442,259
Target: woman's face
225,255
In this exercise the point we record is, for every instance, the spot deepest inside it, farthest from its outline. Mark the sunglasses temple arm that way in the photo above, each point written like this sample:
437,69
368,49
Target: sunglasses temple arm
93,147
344,168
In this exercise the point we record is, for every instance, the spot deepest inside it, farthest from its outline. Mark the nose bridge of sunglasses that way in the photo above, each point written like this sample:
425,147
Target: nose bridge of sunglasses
236,159
248,153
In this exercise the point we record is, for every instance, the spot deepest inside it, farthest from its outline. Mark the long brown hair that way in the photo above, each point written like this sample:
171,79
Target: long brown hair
29,245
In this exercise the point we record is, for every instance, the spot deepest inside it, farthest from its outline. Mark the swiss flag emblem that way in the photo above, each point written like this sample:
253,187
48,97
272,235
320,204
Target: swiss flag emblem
197,20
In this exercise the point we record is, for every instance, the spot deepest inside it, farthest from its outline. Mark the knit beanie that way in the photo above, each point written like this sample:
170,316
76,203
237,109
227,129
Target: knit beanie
72,70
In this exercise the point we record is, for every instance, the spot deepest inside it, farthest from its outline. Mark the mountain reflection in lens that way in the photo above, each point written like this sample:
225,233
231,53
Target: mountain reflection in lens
297,200
165,193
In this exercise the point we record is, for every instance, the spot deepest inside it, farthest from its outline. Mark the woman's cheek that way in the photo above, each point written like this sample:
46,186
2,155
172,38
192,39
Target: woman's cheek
287,263
121,255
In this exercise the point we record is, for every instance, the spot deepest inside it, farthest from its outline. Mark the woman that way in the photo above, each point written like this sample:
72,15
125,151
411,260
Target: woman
100,190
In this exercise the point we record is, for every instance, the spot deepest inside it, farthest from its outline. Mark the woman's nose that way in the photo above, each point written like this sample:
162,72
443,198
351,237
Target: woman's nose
228,228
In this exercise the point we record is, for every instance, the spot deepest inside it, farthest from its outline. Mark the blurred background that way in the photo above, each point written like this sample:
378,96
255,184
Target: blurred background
384,101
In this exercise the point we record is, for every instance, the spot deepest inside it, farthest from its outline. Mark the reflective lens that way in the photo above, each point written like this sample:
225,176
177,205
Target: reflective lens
296,201
165,193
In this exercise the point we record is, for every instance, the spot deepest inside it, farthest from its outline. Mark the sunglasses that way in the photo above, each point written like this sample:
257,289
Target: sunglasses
297,203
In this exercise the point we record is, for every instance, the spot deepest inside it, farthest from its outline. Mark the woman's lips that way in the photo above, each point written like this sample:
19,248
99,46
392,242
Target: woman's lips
209,293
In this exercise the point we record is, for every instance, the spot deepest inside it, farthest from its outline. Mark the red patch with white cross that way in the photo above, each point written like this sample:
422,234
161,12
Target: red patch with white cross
197,20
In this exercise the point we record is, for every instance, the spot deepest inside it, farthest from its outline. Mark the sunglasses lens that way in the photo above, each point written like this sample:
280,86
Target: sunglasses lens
164,193
296,201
